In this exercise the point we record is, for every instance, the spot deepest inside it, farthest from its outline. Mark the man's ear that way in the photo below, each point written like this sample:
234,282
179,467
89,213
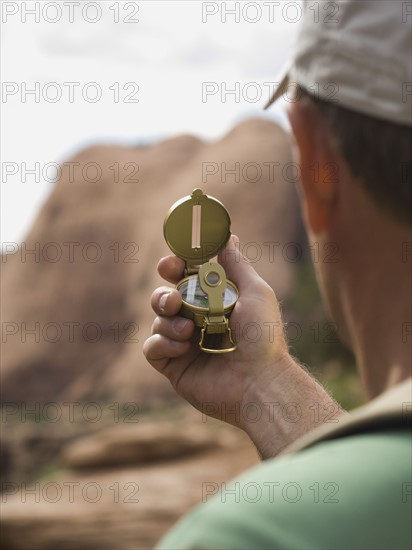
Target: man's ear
318,162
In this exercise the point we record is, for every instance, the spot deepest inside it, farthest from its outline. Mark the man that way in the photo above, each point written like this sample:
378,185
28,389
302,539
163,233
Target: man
348,483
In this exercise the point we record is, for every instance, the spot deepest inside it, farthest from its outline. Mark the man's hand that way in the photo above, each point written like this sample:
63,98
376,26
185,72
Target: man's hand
251,387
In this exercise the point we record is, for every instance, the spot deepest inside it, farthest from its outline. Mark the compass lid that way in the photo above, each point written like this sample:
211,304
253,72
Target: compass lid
197,227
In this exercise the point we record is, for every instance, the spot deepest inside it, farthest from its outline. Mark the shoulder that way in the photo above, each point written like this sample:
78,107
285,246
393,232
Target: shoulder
353,492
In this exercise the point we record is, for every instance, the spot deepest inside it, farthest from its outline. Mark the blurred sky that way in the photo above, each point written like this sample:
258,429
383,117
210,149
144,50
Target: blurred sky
169,53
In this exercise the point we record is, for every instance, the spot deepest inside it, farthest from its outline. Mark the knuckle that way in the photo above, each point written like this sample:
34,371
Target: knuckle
146,348
155,326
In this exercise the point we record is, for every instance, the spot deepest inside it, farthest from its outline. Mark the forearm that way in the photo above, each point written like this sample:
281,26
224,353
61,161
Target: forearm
284,403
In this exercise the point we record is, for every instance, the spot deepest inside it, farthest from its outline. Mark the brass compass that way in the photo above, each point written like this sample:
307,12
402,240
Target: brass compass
196,228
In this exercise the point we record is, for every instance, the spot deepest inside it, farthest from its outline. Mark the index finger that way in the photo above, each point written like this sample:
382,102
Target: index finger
171,268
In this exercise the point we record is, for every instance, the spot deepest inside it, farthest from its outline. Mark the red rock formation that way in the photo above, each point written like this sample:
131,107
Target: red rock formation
90,306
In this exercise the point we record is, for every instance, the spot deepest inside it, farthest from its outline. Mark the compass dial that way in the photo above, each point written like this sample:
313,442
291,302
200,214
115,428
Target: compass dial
193,295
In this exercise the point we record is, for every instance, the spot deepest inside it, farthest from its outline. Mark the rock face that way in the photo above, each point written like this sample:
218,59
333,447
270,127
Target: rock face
132,505
140,444
77,307
79,399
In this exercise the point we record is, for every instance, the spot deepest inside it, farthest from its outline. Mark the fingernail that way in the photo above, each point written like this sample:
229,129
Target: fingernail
179,324
163,299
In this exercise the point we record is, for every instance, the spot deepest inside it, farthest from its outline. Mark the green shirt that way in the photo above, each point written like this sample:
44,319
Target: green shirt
348,493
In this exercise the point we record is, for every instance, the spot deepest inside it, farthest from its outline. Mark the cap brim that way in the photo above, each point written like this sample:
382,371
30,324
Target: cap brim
283,79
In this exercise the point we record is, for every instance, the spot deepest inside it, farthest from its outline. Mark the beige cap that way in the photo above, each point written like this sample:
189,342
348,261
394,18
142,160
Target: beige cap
357,53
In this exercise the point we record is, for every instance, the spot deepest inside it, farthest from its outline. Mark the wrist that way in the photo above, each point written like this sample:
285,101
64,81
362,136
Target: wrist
282,403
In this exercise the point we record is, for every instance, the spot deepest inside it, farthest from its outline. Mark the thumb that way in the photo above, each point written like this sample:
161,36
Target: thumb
237,267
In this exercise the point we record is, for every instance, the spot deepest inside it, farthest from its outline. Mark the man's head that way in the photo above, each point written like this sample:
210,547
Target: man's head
351,118
356,183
